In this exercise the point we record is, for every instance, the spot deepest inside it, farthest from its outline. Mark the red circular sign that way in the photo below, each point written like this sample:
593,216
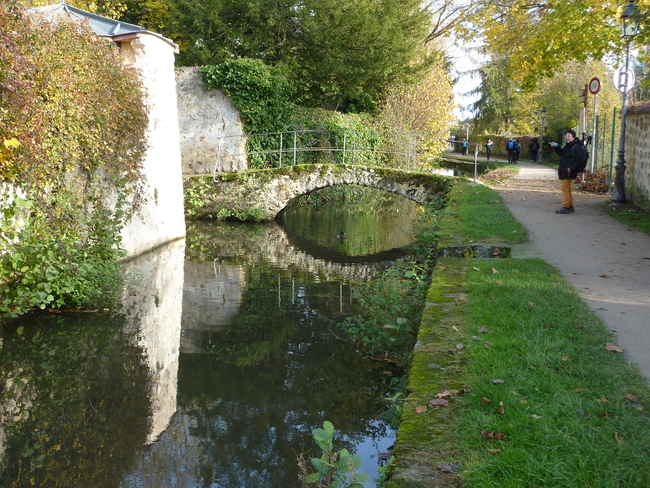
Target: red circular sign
594,86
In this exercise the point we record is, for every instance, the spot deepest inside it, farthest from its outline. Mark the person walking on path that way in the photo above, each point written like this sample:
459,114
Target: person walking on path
533,149
488,148
510,149
572,158
516,151
464,147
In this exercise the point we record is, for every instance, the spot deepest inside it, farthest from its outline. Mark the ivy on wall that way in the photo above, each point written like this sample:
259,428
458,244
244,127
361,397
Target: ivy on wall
264,99
72,133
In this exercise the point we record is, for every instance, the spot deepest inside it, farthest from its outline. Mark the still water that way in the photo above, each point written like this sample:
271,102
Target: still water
226,355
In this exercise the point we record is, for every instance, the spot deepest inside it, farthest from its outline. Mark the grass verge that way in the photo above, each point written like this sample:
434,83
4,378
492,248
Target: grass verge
513,384
475,213
631,216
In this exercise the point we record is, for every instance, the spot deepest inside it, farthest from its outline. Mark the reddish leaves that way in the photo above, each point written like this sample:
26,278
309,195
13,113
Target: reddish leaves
486,434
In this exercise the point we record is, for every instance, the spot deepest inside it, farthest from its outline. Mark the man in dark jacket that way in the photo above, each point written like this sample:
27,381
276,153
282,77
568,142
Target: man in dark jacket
573,157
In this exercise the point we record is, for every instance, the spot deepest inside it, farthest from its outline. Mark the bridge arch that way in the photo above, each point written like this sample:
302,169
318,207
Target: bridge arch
271,190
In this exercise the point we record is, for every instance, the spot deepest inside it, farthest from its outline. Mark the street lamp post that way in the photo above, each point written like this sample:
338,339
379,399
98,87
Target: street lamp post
630,28
541,137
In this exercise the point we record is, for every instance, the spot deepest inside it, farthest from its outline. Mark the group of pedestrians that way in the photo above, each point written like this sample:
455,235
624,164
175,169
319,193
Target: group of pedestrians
513,148
573,158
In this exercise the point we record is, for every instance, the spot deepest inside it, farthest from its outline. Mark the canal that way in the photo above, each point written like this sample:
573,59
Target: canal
224,357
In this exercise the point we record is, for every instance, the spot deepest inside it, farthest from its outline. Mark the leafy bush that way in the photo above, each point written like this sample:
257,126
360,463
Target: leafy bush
51,267
73,128
261,94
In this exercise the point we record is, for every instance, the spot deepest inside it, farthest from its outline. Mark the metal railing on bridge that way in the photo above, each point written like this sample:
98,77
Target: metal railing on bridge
310,146
335,146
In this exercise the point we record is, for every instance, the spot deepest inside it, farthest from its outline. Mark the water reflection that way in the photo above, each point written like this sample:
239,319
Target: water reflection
83,392
225,357
153,307
262,363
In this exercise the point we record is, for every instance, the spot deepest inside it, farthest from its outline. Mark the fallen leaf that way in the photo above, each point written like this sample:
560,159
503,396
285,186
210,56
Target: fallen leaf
420,409
578,390
446,468
474,267
486,345
494,451
442,268
454,328
604,276
618,438
502,409
491,435
446,393
497,381
499,282
496,252
483,329
565,358
612,347
603,400
494,271
530,304
537,417
632,398
439,402
486,400
460,346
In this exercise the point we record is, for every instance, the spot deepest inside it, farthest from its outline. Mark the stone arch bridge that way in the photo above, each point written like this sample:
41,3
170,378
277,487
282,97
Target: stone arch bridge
263,194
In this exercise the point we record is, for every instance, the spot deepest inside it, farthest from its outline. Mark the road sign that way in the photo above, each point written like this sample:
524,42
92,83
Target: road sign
620,79
594,86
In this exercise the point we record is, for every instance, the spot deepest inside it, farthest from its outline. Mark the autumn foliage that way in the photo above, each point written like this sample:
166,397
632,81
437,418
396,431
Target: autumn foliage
68,100
72,140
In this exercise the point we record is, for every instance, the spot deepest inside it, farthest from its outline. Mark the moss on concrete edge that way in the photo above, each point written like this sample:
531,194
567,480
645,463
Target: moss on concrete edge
423,443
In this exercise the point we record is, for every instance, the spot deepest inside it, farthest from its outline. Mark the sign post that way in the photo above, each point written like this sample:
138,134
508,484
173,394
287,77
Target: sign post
594,88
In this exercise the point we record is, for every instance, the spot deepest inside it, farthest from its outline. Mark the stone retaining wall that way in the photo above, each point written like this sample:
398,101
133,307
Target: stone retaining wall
637,155
208,123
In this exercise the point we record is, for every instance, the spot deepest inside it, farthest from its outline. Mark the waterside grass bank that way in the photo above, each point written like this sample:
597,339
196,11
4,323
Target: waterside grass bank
514,381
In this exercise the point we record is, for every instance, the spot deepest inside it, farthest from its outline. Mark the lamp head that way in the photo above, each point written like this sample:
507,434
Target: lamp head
630,20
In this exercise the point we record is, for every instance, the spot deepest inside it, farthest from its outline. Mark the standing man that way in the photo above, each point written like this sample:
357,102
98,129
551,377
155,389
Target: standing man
516,150
464,147
573,157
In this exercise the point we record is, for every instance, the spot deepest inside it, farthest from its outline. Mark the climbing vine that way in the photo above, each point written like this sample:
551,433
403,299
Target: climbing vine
264,99
72,134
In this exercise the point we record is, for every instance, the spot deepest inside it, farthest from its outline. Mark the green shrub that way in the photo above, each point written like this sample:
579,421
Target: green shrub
73,125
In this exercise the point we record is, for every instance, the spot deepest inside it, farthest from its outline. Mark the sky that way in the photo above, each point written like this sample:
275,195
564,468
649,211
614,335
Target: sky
465,60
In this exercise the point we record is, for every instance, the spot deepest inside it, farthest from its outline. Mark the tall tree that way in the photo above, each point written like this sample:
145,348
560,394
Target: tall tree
425,109
539,37
338,55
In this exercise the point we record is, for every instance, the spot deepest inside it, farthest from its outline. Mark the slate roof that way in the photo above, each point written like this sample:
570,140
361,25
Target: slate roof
102,26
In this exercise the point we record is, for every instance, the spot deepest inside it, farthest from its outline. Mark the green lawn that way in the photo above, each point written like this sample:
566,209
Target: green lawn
537,394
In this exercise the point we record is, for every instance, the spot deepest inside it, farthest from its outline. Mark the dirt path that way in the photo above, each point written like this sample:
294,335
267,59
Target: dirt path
607,263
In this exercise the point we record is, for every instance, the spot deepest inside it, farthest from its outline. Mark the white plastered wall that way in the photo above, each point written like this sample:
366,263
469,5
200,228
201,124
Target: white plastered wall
161,219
